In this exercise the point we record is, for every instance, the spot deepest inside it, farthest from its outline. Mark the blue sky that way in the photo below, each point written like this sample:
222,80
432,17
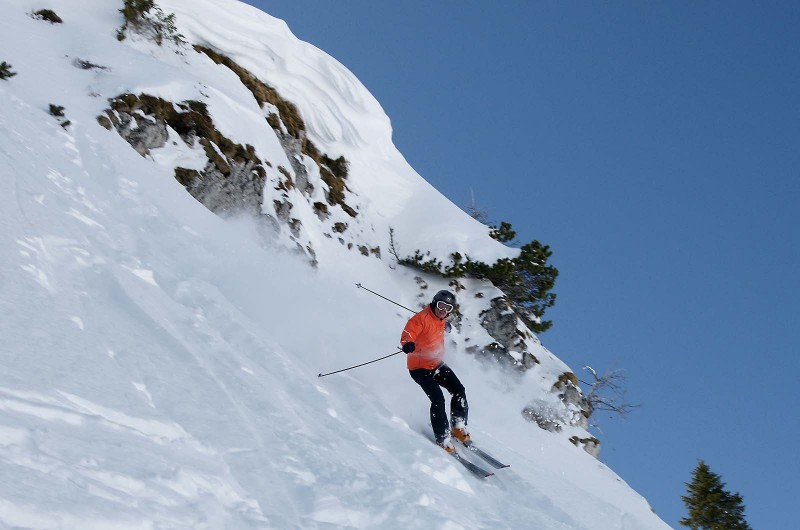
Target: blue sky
655,146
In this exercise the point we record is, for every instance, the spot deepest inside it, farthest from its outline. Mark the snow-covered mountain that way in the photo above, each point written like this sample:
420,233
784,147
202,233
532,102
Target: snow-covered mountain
183,229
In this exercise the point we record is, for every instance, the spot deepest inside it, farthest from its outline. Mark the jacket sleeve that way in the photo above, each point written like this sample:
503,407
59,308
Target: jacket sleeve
411,331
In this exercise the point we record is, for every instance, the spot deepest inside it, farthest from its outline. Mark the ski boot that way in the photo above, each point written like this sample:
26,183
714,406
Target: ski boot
460,433
447,445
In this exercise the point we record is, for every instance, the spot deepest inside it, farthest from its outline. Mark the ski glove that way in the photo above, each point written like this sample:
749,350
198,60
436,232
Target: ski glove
409,347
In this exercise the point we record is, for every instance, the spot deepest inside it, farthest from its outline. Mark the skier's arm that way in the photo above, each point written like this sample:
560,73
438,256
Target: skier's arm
409,335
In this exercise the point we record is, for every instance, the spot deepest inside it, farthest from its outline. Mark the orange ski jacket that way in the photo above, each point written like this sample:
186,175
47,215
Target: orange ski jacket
426,331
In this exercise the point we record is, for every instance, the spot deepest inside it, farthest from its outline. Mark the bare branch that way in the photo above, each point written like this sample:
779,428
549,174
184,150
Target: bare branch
607,392
477,213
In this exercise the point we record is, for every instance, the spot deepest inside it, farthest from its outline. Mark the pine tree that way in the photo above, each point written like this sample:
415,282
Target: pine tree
711,506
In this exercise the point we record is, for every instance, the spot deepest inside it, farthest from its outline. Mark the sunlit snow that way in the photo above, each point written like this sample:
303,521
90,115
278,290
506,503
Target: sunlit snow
159,363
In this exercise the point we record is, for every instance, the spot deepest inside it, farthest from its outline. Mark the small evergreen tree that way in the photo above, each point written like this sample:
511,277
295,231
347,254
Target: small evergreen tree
135,13
146,18
711,506
530,287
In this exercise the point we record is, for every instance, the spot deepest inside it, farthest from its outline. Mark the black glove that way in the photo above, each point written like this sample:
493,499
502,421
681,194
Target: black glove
409,347
448,327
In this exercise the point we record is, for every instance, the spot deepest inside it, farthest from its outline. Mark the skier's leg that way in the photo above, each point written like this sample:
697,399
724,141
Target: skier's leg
425,379
459,408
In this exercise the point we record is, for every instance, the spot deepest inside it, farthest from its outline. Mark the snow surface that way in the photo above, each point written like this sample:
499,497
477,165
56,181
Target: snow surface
159,364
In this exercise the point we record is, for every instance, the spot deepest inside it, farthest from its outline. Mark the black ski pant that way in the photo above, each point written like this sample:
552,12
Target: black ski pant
430,381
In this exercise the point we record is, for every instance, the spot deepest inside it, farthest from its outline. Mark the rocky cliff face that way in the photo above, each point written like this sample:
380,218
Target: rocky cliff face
235,179
510,348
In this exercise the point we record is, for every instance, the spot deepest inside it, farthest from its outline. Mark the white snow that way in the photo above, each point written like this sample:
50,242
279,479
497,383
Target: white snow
159,364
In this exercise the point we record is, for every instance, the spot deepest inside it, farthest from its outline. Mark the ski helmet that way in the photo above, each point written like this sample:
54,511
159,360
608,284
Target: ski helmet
443,296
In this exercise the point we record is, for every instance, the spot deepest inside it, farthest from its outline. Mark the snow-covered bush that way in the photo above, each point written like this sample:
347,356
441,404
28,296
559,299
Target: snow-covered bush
5,71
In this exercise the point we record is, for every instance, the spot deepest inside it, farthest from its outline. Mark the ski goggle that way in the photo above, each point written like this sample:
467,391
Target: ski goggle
444,306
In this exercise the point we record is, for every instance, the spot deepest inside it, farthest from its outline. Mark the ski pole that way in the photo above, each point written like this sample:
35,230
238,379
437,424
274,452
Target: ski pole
376,294
362,364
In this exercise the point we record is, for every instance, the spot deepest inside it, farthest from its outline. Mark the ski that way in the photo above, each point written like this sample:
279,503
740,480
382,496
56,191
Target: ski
476,470
486,456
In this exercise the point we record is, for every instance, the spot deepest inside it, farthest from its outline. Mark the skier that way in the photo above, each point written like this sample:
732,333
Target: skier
423,341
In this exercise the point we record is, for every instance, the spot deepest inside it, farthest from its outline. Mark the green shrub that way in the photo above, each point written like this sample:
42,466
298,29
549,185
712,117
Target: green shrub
5,71
526,280
504,233
58,112
48,15
146,18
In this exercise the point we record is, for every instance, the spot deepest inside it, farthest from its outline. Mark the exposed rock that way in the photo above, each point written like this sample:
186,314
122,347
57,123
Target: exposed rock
570,394
141,131
510,351
542,418
510,348
242,189
283,209
554,417
292,148
47,14
321,209
591,445
232,181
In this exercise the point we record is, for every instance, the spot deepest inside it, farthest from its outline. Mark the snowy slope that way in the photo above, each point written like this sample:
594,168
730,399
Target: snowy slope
159,364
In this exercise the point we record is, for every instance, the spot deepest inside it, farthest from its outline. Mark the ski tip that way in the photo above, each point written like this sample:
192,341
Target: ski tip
319,375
